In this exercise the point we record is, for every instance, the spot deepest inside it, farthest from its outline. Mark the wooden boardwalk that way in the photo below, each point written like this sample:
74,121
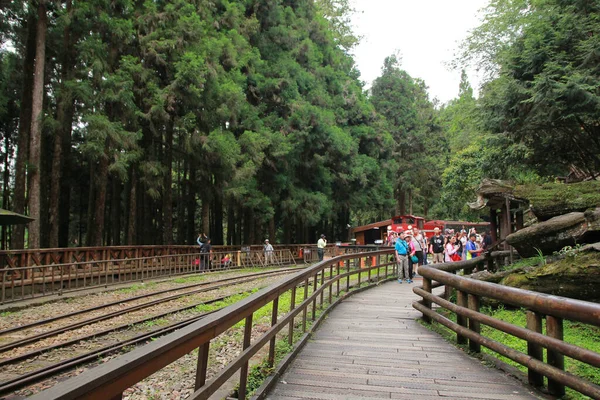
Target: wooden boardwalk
371,347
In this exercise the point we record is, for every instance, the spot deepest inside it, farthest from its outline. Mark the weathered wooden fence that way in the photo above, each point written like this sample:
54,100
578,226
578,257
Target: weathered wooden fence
553,309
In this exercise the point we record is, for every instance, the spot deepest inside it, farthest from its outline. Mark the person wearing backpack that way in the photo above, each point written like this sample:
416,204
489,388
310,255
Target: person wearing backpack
205,253
402,253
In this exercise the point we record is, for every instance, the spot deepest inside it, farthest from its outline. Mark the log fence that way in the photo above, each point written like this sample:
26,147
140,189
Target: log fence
539,307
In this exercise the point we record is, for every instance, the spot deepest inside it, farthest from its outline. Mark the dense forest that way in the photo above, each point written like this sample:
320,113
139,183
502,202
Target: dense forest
147,122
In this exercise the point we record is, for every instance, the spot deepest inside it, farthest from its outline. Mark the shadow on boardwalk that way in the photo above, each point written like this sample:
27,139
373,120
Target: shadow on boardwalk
372,347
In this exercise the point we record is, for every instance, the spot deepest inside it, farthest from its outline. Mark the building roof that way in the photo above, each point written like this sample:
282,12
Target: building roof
374,225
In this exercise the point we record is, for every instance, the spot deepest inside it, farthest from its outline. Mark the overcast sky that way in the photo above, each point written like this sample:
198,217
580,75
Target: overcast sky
427,34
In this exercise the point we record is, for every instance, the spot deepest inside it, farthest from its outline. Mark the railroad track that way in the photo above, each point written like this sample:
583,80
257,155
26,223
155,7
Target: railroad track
50,370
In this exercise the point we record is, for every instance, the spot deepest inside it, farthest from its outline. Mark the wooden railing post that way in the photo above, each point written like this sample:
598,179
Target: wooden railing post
244,367
314,304
305,310
337,282
554,329
322,283
448,289
534,323
202,365
331,285
273,323
475,326
292,306
462,300
427,303
490,264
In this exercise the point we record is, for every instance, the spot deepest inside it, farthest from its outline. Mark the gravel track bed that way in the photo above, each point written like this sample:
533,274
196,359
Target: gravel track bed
132,318
70,305
34,363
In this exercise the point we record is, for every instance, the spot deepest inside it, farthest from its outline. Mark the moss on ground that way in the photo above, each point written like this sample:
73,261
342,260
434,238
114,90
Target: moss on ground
552,199
576,276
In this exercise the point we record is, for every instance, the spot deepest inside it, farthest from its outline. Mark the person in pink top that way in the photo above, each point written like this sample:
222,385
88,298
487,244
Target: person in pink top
451,249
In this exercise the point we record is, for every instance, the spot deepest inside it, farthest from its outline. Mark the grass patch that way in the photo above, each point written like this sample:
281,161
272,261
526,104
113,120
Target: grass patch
137,287
190,279
523,263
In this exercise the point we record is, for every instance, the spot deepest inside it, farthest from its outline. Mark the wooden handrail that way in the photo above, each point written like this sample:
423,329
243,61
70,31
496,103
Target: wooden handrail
539,305
109,380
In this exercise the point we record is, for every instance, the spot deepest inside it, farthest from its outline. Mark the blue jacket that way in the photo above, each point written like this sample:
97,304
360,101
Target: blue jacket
401,247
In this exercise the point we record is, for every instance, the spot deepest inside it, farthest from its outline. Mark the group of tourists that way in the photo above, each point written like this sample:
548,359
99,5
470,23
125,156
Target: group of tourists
412,248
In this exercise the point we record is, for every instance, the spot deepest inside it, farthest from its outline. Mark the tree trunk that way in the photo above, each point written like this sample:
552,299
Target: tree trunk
64,116
401,203
36,128
181,177
287,231
97,227
191,206
90,206
230,223
131,219
18,233
168,186
272,237
5,192
217,207
115,208
205,217
45,167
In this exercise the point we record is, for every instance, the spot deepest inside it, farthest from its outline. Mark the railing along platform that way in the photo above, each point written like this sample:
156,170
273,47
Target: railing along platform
20,283
539,306
306,291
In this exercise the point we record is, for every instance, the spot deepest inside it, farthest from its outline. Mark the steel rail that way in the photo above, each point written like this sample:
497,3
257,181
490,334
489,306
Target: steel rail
50,370
130,299
53,332
24,356
36,352
110,379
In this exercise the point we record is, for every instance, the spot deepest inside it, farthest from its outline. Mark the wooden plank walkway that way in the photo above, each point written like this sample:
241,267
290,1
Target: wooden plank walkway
371,347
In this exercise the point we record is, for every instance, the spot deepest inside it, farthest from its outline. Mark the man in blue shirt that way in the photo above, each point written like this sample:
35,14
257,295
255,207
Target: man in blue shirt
402,251
471,248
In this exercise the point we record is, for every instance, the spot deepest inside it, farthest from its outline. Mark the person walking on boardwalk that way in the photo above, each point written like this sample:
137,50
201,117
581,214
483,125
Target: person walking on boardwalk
436,246
268,253
402,250
412,252
321,244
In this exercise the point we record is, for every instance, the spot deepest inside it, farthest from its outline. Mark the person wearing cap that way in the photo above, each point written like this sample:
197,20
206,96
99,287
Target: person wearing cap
321,244
436,246
268,248
471,248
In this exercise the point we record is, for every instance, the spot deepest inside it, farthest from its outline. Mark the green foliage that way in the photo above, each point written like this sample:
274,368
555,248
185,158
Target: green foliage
543,98
569,251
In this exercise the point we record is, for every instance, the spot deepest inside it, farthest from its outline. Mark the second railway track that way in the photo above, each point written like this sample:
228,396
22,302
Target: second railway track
49,370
